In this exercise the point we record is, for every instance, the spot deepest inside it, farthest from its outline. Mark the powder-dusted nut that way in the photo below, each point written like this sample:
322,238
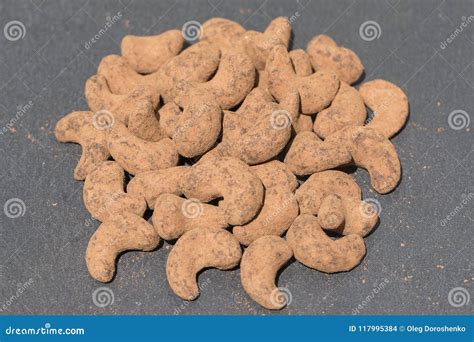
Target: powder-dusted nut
174,216
231,179
389,105
232,82
136,155
198,249
316,90
104,195
222,33
146,54
258,131
79,127
347,109
151,184
336,198
363,146
313,248
260,264
301,62
196,64
196,129
123,232
123,79
258,45
136,109
279,210
325,54
275,174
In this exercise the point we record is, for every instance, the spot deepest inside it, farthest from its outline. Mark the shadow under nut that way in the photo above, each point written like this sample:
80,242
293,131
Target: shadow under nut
198,249
230,178
104,196
173,216
259,267
313,248
136,155
151,184
78,127
124,232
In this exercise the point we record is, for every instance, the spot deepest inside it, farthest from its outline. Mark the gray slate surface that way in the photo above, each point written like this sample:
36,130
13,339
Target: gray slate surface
417,257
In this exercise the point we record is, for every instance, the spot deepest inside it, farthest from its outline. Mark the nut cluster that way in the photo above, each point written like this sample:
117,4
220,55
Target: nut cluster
233,143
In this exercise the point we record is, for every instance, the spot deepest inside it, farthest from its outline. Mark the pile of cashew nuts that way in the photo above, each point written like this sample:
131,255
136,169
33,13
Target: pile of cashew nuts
237,145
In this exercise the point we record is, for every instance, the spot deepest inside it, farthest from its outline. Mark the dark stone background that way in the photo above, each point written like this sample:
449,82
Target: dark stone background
416,256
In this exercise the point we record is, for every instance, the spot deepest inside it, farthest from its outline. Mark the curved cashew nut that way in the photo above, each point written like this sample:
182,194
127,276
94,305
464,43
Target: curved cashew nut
123,232
79,127
336,198
363,146
316,91
123,79
104,195
231,179
151,184
222,33
173,216
195,129
195,64
275,174
259,267
325,54
313,248
136,155
198,249
136,109
146,54
389,104
347,109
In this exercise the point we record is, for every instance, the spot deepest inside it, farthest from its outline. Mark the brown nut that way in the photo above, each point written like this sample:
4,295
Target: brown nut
259,267
301,62
79,127
173,216
231,179
136,109
136,155
325,54
152,184
195,129
389,105
363,146
198,249
196,64
104,196
275,174
123,232
279,210
347,109
123,79
313,248
336,198
316,91
146,54
222,33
